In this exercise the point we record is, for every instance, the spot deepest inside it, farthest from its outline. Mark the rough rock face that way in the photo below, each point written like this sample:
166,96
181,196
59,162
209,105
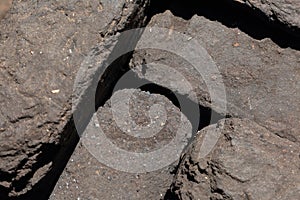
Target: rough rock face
248,162
4,7
286,12
251,159
42,46
261,79
86,178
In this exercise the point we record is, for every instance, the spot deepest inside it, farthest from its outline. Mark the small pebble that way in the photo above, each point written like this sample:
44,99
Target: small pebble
55,91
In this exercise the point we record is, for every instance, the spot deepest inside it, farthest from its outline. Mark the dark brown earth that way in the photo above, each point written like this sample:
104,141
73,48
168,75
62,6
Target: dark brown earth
249,162
286,12
262,85
261,79
86,178
44,45
4,7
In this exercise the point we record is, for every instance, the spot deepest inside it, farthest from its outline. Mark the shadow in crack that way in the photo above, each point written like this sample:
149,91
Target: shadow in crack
188,107
58,156
170,196
233,15
205,115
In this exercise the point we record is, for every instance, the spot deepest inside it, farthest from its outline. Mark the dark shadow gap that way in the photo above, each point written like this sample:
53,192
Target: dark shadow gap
190,108
170,196
108,81
71,133
205,112
233,15
59,156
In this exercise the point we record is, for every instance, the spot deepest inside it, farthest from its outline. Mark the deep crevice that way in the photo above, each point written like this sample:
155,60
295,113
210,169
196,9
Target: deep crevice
44,157
59,156
233,15
170,195
200,120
